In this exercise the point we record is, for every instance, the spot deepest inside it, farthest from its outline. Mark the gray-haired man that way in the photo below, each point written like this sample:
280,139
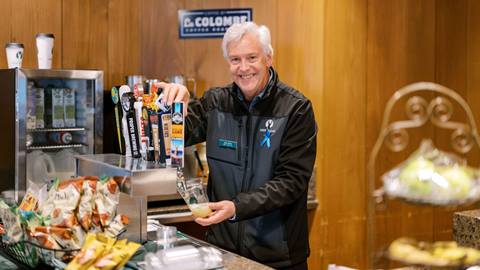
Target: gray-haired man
261,145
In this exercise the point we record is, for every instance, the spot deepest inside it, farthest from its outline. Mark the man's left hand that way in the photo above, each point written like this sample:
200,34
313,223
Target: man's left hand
223,210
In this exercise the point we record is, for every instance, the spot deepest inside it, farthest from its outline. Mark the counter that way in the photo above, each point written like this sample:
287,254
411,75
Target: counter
231,261
181,213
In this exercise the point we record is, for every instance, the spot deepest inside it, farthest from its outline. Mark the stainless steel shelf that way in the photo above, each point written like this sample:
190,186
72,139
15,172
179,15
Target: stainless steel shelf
43,147
56,129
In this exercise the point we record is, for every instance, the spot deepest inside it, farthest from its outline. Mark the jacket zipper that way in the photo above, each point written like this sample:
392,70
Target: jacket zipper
239,140
241,225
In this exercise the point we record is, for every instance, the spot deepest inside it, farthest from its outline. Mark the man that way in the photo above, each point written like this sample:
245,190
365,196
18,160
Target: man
261,144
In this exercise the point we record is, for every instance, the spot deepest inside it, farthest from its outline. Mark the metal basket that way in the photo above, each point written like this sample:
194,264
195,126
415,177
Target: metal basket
32,254
54,257
21,252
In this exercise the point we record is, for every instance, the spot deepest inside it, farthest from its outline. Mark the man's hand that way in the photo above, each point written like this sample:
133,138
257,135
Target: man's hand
174,92
223,210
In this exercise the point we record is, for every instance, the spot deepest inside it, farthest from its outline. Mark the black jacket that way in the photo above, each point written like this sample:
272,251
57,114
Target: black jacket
265,176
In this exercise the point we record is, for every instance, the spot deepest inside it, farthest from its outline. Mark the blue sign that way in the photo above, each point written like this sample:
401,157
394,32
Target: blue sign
209,23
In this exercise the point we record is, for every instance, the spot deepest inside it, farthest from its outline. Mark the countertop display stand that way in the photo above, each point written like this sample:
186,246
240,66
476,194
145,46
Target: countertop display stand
425,102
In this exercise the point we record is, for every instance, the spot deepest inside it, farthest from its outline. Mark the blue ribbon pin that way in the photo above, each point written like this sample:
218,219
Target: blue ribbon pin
266,139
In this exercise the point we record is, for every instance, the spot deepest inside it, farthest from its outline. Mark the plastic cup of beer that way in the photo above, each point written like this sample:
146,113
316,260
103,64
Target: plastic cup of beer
196,197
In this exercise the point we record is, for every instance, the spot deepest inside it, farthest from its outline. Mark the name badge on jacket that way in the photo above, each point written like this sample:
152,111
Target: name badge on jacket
222,143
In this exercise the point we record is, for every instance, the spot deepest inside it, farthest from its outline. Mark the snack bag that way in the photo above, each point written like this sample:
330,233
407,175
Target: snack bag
30,200
108,196
11,222
65,237
92,249
117,256
48,205
45,240
42,197
31,219
65,201
78,235
432,176
87,204
117,226
96,225
131,248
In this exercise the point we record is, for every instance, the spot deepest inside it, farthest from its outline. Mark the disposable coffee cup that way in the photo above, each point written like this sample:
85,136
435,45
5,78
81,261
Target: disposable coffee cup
14,53
44,50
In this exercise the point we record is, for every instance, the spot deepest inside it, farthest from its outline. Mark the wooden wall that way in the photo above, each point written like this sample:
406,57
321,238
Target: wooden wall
347,56
89,34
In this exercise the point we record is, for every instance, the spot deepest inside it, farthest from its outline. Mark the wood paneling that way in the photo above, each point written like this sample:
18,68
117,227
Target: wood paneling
5,29
473,59
85,34
37,16
124,41
343,123
450,71
92,34
299,63
400,51
162,53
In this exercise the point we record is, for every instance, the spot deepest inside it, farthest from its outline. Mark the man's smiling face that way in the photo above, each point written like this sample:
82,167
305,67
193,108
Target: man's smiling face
249,65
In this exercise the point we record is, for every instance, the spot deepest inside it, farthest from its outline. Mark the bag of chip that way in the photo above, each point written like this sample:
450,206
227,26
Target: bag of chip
45,240
12,223
117,226
117,256
65,237
48,205
31,219
30,200
95,246
87,203
108,196
96,225
65,201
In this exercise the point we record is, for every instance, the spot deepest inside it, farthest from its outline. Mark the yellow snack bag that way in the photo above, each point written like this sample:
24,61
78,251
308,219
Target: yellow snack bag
117,257
91,250
29,202
131,248
111,258
109,241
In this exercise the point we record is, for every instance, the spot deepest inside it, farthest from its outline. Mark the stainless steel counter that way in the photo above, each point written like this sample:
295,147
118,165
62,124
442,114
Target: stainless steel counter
232,261
181,213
